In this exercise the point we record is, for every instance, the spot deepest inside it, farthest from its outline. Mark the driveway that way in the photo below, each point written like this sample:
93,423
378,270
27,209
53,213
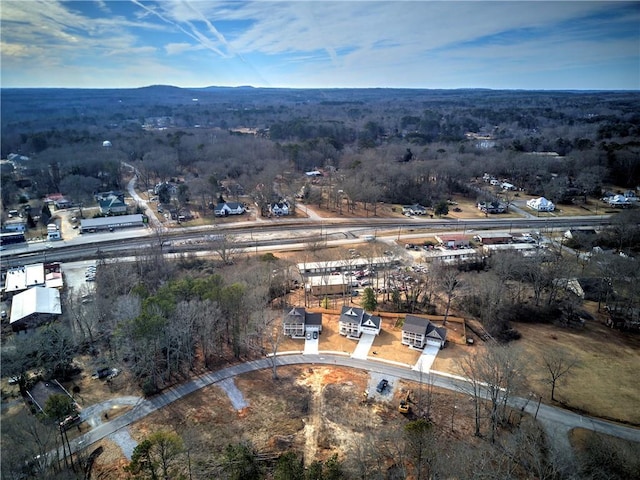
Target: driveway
426,359
363,347
311,346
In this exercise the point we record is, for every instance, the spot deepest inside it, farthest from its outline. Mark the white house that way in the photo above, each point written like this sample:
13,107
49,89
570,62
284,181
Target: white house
355,321
619,201
280,208
415,209
541,204
229,208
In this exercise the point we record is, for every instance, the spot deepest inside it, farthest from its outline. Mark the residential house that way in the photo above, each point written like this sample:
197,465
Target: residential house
415,209
229,208
172,188
619,201
113,205
492,207
541,204
279,209
508,186
297,322
418,332
62,204
355,321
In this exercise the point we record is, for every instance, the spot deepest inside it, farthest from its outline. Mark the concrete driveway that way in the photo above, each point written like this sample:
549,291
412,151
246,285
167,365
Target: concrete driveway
363,347
426,359
311,346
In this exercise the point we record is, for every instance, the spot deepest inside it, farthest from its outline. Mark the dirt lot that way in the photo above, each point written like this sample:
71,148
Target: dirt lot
315,410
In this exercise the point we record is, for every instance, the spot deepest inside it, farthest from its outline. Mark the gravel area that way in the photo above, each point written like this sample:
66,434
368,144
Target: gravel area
235,395
124,440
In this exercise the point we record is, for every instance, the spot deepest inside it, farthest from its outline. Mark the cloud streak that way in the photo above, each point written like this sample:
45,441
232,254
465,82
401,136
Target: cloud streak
326,44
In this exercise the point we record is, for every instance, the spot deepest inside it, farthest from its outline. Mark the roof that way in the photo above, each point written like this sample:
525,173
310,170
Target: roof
370,321
423,326
21,278
414,324
295,315
231,205
111,221
42,300
448,237
111,202
313,319
351,314
494,235
439,333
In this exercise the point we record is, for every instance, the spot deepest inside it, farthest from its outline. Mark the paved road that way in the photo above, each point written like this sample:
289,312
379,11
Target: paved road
556,421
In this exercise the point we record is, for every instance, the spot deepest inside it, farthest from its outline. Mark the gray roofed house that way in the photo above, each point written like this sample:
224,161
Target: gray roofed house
112,205
418,332
297,322
355,321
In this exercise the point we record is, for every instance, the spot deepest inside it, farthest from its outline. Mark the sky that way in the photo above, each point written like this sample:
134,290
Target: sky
531,45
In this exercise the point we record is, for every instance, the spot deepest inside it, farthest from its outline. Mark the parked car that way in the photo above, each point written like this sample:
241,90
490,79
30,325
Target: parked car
382,385
308,335
315,335
101,373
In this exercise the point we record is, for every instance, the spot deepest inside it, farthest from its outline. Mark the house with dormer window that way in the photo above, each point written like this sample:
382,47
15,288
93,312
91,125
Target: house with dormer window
355,321
279,209
419,331
298,322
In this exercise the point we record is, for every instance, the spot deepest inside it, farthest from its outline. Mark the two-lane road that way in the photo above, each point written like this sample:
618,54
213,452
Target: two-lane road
554,419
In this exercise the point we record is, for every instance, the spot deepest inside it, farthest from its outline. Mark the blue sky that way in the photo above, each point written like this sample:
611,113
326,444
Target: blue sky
308,44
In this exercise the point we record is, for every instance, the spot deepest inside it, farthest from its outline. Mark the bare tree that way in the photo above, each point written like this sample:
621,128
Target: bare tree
449,282
274,333
225,246
558,364
494,375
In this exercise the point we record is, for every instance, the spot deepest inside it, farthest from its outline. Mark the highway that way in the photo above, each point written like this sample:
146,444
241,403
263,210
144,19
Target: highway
280,233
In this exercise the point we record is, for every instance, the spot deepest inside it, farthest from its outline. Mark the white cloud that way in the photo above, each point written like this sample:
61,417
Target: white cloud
178,48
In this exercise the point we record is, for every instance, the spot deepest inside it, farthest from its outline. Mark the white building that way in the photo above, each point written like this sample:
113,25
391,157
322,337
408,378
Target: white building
541,204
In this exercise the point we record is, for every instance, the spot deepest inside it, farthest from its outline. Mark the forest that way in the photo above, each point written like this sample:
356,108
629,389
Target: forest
395,146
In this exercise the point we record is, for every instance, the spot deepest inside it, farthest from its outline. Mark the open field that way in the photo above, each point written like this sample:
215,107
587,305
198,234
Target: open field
604,382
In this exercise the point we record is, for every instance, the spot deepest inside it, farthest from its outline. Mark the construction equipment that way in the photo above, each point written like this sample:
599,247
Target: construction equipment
404,406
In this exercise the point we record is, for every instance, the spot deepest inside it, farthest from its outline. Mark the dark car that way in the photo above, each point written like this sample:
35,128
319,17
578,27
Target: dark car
382,385
315,335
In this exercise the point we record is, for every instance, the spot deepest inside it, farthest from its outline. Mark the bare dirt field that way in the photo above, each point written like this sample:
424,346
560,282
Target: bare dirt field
315,410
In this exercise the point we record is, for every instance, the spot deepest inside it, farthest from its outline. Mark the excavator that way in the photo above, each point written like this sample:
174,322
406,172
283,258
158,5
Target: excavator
404,406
